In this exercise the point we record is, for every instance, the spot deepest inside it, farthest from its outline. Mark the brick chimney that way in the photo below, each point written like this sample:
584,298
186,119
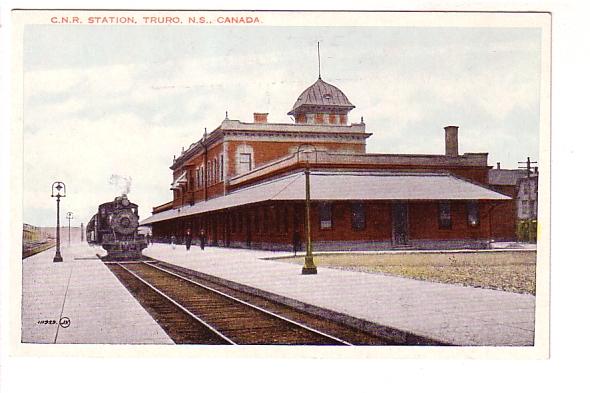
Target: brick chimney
260,117
452,141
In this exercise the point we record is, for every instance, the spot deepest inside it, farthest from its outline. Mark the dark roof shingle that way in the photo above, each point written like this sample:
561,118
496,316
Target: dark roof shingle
321,94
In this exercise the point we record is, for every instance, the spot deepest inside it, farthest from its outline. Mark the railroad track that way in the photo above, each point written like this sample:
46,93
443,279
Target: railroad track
194,311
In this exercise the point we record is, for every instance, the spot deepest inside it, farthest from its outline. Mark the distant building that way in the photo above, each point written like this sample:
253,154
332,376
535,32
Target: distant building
522,186
32,234
243,183
527,197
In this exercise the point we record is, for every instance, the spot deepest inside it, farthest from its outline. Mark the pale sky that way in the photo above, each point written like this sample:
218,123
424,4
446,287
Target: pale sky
104,100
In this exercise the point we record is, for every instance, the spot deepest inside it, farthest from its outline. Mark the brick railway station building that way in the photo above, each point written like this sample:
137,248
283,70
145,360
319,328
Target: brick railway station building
244,185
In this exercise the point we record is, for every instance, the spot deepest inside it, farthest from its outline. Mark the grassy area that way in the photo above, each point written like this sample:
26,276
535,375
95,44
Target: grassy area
505,270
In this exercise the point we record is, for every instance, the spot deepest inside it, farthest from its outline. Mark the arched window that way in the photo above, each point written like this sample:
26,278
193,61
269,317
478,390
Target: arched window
215,171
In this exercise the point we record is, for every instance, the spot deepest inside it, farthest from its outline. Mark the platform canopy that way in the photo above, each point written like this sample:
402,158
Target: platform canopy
342,186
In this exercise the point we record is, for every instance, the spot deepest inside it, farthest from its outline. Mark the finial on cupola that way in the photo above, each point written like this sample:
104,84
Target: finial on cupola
319,63
226,116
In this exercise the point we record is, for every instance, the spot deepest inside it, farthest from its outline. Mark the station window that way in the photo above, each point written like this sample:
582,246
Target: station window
332,118
473,213
245,162
444,215
215,170
285,219
524,208
256,221
221,167
319,118
264,219
274,209
325,215
357,210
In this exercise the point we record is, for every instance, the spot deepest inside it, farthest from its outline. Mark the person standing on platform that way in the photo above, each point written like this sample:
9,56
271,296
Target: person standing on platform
188,239
202,239
173,242
296,241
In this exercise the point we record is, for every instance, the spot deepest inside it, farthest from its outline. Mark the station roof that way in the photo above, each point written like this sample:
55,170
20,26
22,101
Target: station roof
338,186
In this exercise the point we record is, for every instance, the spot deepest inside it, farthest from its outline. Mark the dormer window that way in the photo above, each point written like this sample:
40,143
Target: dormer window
327,96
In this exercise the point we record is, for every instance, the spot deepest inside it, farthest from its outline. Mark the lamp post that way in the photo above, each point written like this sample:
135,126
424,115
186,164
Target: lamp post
69,216
58,191
309,266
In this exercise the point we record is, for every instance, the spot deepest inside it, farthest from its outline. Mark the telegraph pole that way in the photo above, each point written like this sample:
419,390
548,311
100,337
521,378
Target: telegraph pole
528,163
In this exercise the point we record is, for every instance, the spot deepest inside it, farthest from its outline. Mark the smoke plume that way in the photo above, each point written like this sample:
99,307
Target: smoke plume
122,183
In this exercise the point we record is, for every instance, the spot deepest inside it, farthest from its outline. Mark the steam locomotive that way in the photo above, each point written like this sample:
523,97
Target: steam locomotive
114,227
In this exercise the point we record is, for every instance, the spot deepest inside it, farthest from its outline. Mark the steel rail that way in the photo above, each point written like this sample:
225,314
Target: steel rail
253,306
179,306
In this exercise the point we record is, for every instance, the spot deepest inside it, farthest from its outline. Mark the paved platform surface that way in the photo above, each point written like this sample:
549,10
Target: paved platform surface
99,307
450,313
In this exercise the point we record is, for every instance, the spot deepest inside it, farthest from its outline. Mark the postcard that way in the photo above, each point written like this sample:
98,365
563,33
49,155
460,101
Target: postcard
295,183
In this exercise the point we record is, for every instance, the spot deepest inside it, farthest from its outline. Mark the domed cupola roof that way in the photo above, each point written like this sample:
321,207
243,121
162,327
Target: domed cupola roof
321,97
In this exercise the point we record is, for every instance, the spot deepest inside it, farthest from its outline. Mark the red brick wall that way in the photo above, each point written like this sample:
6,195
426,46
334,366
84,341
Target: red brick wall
504,221
423,222
269,151
479,175
422,217
192,194
504,215
377,223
